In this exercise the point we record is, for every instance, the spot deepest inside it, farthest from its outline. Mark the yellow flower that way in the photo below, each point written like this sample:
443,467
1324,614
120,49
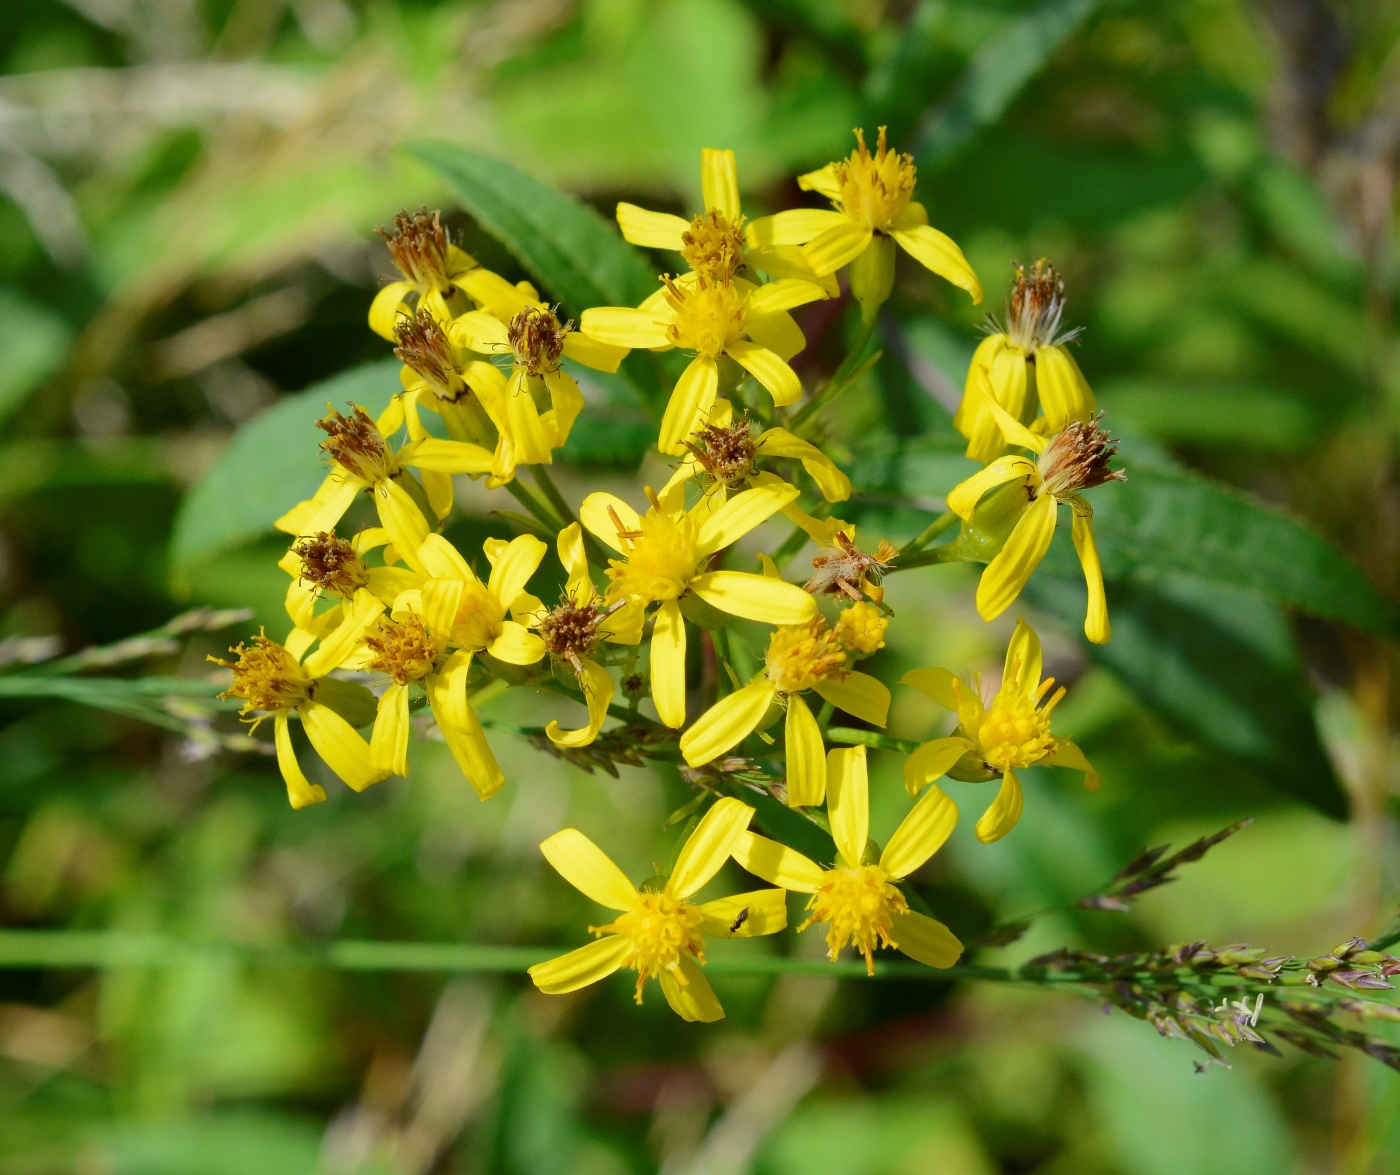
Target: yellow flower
996,740
274,681
872,198
665,552
861,629
432,269
536,343
726,452
326,566
857,899
1073,460
711,318
660,933
363,459
716,242
805,657
1026,362
442,374
571,632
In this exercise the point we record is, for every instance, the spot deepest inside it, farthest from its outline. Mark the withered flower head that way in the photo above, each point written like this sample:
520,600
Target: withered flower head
850,571
725,452
424,346
1034,308
418,244
331,564
405,650
537,339
355,443
1077,458
713,245
266,677
570,629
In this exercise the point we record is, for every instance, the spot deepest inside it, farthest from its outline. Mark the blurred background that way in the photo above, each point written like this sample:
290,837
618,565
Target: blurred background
188,190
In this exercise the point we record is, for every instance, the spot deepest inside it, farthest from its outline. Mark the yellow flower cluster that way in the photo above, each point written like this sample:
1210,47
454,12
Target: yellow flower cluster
399,607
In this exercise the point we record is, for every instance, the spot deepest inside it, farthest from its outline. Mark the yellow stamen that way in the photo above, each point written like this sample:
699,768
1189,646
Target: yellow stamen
661,560
661,931
705,319
800,657
858,907
266,677
405,650
537,339
875,188
861,628
713,246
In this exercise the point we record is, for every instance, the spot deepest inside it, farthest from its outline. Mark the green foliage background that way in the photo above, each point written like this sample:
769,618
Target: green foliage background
187,189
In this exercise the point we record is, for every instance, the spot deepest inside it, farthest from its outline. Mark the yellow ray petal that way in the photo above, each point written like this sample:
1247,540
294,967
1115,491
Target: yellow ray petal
857,693
494,293
650,230
1068,754
926,940
1005,810
778,442
1096,625
519,560
777,863
741,513
337,742
709,846
970,409
440,456
920,834
783,295
591,353
932,761
579,968
300,791
1006,574
324,510
624,626
400,516
597,686
691,399
1064,392
440,599
388,744
460,727
837,246
387,308
516,645
575,560
624,327
597,512
755,597
913,215
1004,379
796,226
719,181
490,384
933,683
727,723
566,402
1012,429
780,261
823,180
589,870
478,331
939,252
778,332
694,1000
440,558
963,498
848,801
528,431
775,375
806,756
337,645
764,911
668,664
1023,659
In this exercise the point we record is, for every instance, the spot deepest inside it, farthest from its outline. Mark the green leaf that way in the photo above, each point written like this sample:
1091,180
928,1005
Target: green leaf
273,462
567,247
1219,663
998,71
34,341
1170,520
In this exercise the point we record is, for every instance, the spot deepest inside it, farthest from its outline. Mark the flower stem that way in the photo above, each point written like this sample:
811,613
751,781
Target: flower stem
935,528
852,368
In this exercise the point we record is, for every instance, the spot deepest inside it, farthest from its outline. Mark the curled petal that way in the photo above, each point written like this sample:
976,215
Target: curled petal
932,761
926,940
1005,810
301,792
694,999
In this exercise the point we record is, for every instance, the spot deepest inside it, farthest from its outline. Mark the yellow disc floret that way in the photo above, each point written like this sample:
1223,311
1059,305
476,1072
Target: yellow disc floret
801,656
661,931
861,628
875,188
405,650
706,318
858,906
1015,731
661,558
266,677
713,246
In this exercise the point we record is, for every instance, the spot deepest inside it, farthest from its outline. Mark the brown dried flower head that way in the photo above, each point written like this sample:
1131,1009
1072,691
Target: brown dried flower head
713,245
537,339
1078,457
725,452
851,572
355,443
570,629
1034,308
266,677
331,564
405,649
424,346
418,244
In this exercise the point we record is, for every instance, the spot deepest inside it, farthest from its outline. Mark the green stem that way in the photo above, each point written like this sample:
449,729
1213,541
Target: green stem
852,368
935,528
534,504
941,554
824,715
869,738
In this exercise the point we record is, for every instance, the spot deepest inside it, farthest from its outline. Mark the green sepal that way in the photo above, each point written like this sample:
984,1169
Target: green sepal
349,699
